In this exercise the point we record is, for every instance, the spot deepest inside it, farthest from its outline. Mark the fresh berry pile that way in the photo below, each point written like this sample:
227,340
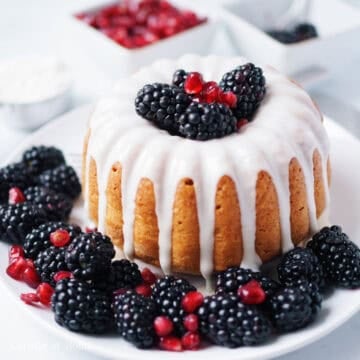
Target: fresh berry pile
196,109
300,32
74,273
138,23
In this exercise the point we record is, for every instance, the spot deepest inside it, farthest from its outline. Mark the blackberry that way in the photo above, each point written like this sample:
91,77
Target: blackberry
203,121
225,321
89,256
134,317
230,280
49,262
338,255
291,309
247,82
179,78
285,37
10,176
57,206
300,263
16,221
167,294
41,158
62,179
162,104
81,308
313,290
39,238
123,275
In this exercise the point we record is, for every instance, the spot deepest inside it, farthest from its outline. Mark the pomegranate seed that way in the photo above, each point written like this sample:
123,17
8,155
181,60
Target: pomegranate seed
148,276
240,123
191,341
191,322
252,293
90,230
170,343
30,298
15,252
60,275
144,290
193,83
16,269
60,238
16,196
192,301
163,326
31,277
210,92
228,98
44,292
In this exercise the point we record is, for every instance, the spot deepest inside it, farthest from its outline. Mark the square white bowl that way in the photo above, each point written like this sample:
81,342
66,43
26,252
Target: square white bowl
338,25
118,61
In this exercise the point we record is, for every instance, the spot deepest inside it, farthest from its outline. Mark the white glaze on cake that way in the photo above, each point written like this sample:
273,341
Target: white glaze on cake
286,126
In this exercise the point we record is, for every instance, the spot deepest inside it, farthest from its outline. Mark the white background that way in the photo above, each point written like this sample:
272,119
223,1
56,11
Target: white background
34,26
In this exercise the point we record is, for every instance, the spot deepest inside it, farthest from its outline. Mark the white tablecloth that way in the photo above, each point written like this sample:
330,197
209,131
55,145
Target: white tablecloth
32,26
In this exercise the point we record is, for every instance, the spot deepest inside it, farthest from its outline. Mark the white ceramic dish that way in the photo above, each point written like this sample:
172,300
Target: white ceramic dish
119,61
337,309
338,25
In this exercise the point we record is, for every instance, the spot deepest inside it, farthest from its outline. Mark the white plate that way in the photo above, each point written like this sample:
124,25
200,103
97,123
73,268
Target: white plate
67,132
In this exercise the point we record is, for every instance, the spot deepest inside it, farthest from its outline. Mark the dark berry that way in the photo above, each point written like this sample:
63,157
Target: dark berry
247,82
313,290
13,175
305,31
291,309
225,321
49,262
57,205
62,179
134,318
179,78
203,121
300,263
41,158
39,238
81,308
168,293
89,256
162,104
16,221
338,255
123,275
284,36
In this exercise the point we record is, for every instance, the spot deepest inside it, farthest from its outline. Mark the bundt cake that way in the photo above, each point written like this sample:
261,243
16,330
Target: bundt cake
202,206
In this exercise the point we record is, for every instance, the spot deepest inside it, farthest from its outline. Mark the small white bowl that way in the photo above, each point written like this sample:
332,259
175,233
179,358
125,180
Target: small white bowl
338,25
118,61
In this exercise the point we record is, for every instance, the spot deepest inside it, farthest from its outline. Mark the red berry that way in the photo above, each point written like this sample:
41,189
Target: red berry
144,290
16,196
191,322
163,326
148,276
228,98
193,83
60,238
31,277
30,298
170,343
15,252
44,292
210,92
191,341
62,275
252,293
192,301
240,123
16,269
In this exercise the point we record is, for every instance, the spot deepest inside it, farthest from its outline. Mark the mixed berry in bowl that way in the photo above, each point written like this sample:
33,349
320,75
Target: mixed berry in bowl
138,23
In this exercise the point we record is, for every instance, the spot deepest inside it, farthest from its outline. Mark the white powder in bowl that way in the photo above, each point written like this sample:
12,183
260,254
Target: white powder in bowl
32,80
